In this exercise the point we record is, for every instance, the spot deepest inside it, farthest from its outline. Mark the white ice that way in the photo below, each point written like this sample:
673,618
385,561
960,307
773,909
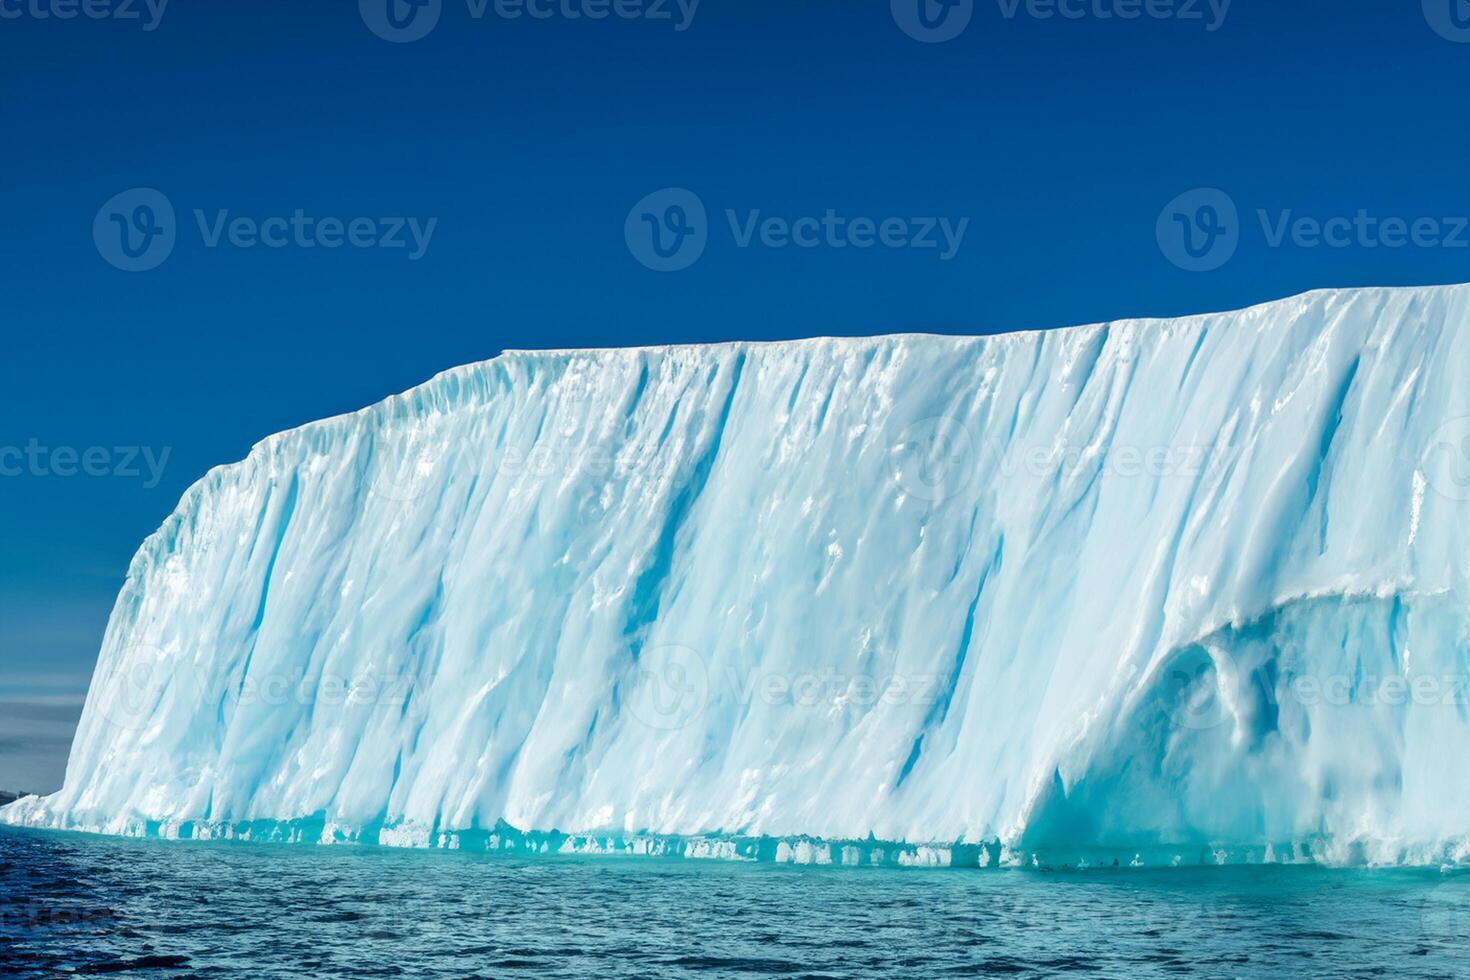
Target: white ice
1166,583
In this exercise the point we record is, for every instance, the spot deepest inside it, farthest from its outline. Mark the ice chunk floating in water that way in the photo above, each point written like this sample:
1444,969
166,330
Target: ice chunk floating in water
1161,590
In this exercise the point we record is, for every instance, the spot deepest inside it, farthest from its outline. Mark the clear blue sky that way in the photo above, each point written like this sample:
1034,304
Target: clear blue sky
1061,140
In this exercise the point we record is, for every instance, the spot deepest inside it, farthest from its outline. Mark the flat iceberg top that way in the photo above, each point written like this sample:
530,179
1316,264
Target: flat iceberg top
1152,585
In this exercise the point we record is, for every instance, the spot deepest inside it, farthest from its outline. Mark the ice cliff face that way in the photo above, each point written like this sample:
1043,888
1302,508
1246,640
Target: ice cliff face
1163,588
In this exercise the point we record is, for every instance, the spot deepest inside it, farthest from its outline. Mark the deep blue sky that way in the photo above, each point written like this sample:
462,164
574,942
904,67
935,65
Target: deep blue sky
1060,140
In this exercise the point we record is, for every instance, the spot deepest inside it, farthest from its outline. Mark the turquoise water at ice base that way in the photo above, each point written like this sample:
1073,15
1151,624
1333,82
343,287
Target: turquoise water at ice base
89,904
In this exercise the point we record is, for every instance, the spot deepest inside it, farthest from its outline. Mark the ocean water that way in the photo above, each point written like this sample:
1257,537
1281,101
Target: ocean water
85,904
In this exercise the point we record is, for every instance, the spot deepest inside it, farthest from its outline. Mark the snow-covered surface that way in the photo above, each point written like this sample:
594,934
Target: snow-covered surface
1190,586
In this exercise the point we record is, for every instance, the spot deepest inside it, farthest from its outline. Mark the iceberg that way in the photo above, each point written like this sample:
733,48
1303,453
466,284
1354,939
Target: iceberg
1147,591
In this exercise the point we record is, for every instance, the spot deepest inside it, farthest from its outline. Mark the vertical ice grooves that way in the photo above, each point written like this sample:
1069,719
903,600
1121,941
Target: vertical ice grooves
283,523
649,588
1083,634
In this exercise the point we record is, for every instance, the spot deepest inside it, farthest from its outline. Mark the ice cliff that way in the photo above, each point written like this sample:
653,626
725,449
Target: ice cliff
1185,589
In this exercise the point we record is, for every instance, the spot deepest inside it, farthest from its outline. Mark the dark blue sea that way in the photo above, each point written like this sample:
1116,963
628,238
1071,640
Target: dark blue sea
75,904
